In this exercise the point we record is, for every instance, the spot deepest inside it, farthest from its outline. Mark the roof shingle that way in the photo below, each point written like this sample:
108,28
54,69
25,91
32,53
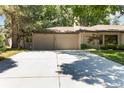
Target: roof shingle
104,28
81,28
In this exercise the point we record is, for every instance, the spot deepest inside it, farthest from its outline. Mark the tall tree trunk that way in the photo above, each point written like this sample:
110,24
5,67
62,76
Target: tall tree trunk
14,31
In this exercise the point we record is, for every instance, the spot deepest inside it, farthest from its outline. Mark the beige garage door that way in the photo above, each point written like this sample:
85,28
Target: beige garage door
55,41
66,41
43,41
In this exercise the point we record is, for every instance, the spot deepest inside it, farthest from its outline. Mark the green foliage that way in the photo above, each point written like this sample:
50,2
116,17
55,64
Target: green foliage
85,46
120,47
109,46
2,42
112,46
37,17
2,38
115,55
2,49
92,15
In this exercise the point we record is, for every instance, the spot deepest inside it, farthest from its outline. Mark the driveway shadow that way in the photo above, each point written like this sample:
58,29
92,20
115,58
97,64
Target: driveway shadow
93,69
7,64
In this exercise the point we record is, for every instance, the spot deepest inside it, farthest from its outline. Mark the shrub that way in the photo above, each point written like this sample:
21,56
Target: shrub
110,46
84,46
2,49
103,47
120,47
2,43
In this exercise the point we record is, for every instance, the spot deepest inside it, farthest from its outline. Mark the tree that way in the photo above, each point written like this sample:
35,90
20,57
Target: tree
92,15
12,13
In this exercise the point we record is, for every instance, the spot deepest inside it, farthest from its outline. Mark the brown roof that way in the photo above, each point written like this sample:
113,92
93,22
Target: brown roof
104,28
62,29
59,30
80,28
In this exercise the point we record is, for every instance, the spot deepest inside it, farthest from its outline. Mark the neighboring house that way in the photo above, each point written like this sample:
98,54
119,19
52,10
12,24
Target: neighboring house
72,37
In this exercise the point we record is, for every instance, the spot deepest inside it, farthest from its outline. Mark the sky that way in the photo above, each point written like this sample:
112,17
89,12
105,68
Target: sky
121,19
2,20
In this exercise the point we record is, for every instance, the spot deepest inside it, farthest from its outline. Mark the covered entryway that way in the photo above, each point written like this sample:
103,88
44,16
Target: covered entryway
44,41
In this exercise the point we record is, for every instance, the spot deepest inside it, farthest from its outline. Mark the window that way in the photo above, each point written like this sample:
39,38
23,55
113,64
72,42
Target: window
111,39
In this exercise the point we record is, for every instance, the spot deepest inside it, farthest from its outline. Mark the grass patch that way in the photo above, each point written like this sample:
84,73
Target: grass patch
114,55
9,52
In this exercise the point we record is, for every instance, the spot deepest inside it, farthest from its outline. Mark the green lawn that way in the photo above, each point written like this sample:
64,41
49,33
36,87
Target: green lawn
9,52
117,56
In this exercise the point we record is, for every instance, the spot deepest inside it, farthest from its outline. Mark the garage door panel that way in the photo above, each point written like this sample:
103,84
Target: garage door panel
66,41
43,41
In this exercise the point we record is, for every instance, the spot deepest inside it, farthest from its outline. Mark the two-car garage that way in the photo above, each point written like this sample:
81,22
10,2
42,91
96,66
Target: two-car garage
51,41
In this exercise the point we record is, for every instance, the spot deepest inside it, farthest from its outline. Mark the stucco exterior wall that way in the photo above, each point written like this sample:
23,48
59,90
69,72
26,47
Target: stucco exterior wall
122,38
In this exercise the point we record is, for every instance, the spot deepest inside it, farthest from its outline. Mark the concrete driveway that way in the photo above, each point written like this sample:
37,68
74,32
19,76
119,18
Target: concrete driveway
60,69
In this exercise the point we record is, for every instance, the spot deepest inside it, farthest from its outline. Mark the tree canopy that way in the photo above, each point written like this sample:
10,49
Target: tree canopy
37,17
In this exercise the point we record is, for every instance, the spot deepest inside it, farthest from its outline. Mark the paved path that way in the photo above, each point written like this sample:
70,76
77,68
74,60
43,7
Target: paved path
60,69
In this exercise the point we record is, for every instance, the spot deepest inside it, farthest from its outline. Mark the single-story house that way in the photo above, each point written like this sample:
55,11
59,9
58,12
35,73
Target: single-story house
73,37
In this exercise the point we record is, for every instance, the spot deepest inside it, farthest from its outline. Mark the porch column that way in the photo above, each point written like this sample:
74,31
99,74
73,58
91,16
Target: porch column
103,39
119,39
83,37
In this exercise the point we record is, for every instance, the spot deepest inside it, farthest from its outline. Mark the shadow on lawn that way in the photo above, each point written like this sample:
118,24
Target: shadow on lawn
94,70
7,64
